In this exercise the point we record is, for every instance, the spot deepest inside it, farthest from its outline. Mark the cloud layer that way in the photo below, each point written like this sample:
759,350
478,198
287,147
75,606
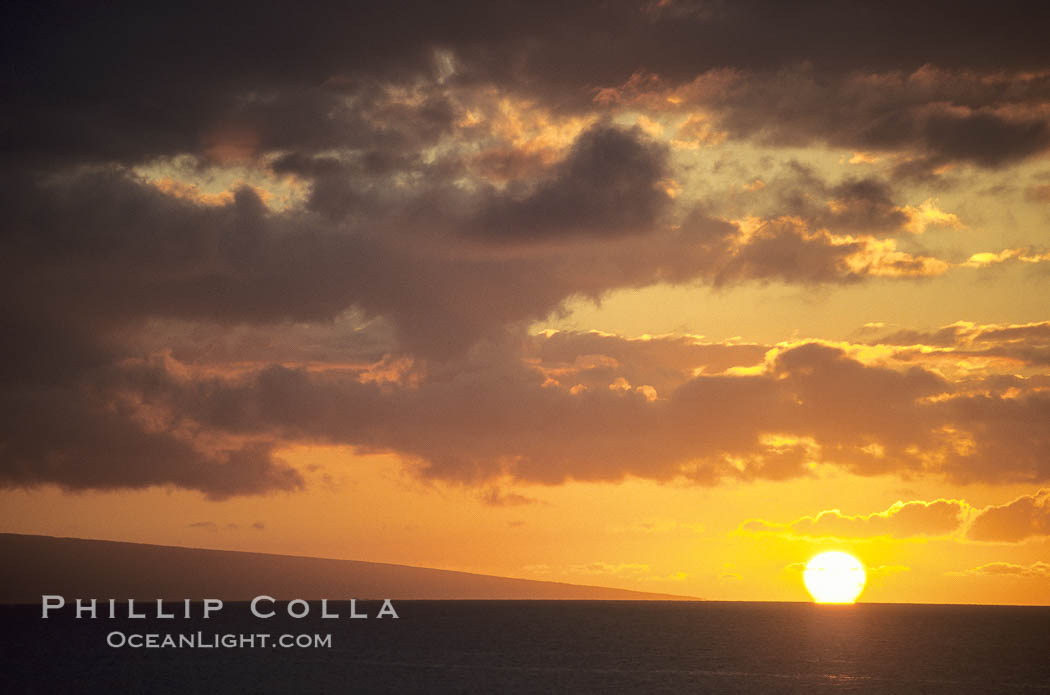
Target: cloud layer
339,231
1026,517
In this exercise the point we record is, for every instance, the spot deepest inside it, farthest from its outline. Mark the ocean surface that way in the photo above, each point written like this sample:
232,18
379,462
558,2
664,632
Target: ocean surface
544,647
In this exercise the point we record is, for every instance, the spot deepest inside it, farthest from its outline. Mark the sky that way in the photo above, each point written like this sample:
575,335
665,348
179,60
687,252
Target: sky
665,296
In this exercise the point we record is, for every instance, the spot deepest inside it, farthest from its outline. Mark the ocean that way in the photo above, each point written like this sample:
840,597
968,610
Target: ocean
541,647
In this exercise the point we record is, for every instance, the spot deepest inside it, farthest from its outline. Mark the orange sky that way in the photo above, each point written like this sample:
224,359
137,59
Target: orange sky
659,323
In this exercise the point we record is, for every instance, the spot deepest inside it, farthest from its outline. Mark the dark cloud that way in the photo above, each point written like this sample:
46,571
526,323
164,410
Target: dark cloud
490,418
78,440
503,164
987,139
107,247
484,420
608,185
102,249
410,278
281,80
546,409
1003,428
865,205
117,82
929,115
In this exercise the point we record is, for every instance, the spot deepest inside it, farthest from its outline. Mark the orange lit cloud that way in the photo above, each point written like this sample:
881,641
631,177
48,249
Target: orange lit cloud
1025,517
192,192
1009,569
496,497
984,259
810,404
977,344
901,520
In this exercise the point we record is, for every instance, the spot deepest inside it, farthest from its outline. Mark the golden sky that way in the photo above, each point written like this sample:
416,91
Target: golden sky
492,298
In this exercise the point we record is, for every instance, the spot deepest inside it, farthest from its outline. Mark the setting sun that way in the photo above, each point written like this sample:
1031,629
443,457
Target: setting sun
600,362
834,577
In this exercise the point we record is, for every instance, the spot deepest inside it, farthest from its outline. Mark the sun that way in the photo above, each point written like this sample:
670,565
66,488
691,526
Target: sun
834,577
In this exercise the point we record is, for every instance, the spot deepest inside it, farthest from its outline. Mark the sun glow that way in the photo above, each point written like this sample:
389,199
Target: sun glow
834,577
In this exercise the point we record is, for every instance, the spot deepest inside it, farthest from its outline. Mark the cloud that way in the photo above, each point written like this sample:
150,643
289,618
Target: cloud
1025,517
482,420
901,520
928,114
854,205
81,440
897,76
709,413
787,249
1025,344
594,360
139,253
1039,193
479,420
862,205
1008,569
680,408
608,185
1023,255
345,241
498,498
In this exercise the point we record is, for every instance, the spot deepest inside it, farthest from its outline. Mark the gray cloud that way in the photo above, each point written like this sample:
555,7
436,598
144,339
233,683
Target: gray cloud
607,186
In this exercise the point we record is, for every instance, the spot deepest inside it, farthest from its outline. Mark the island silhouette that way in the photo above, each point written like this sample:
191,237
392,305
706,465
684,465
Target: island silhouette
34,566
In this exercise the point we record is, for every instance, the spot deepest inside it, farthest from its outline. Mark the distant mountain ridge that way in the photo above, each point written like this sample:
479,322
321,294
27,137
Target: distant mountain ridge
31,566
